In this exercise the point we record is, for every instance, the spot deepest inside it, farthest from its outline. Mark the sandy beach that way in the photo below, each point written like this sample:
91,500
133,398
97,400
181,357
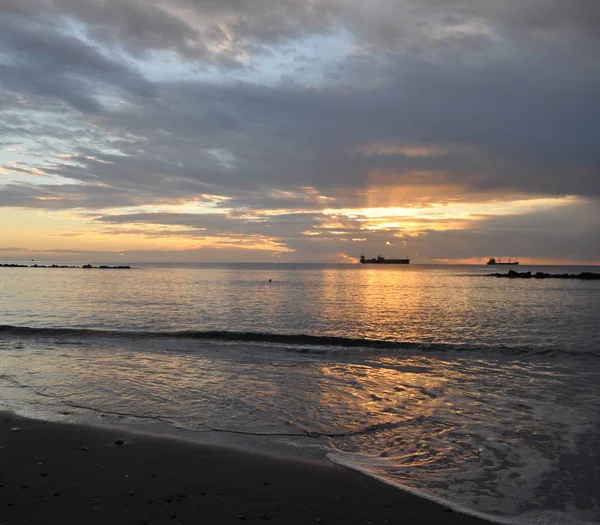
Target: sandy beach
63,473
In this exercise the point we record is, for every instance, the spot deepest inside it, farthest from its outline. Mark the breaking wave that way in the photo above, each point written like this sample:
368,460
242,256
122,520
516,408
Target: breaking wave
305,343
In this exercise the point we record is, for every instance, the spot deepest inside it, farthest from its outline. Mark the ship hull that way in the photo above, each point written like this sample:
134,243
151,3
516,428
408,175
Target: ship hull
503,264
387,261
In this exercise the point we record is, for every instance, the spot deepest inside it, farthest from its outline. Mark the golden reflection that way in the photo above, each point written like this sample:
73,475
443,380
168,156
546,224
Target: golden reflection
383,391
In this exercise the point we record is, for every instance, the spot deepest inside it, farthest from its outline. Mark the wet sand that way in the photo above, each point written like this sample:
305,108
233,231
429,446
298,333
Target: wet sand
62,473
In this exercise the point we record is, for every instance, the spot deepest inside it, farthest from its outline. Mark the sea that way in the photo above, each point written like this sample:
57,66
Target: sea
478,392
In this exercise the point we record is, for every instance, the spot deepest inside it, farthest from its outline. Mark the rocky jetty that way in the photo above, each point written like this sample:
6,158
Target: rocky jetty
585,276
86,266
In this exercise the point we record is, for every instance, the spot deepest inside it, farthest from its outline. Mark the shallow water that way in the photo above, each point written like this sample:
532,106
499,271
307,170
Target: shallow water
483,392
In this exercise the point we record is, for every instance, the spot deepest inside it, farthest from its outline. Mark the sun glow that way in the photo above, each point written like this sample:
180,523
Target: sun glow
436,216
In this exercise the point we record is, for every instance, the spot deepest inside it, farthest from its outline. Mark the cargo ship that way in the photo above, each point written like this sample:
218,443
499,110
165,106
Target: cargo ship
382,260
494,262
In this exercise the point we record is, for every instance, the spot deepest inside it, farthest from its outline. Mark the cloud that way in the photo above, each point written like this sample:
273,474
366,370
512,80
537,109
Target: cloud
220,33
60,66
285,110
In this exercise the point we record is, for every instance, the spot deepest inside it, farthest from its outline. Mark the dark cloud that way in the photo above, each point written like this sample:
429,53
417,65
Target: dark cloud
288,137
54,65
209,31
220,31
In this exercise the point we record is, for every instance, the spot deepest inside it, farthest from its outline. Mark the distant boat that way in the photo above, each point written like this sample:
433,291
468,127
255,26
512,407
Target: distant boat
382,260
494,262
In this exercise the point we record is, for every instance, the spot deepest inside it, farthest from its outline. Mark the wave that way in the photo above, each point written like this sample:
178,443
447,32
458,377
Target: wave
360,464
304,343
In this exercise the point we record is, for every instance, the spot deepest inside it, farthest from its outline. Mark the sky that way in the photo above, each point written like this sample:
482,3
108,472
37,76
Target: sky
300,130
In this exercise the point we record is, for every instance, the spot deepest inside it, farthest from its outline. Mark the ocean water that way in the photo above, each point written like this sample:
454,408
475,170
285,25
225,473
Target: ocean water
480,392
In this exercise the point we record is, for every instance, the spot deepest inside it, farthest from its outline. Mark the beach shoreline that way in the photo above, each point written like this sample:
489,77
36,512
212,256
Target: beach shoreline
62,472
